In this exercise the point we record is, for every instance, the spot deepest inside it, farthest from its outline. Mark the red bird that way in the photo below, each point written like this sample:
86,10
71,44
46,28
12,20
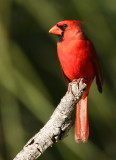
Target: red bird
78,59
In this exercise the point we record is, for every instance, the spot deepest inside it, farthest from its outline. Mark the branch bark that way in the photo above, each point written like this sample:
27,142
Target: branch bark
57,127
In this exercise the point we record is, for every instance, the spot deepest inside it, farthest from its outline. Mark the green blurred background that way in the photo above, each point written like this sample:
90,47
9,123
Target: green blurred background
31,83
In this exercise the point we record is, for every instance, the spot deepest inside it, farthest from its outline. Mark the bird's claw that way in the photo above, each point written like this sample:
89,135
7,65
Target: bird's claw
75,81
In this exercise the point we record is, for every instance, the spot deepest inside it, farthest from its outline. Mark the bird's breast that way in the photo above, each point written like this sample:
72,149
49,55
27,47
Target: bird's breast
76,59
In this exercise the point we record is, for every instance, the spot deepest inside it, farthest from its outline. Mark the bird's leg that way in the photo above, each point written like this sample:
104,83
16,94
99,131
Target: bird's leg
75,81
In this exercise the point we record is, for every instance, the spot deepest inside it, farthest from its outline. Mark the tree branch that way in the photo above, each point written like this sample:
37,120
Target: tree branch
57,127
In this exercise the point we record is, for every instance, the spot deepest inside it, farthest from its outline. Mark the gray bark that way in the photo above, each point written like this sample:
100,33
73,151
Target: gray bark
57,127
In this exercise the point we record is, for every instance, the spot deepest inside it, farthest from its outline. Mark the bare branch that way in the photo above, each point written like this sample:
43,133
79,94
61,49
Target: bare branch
57,127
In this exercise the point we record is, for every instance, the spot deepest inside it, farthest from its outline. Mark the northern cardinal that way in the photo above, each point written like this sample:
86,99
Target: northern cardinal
78,59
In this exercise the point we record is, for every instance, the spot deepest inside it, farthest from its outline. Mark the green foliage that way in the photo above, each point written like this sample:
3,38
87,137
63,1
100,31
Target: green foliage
31,82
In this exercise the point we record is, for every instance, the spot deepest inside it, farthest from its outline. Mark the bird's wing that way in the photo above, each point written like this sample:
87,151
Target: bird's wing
98,72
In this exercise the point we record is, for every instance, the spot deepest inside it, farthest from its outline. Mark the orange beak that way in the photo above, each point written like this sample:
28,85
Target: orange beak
55,30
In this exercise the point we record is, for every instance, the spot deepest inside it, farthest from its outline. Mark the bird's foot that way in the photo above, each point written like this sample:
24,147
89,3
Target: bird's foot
75,81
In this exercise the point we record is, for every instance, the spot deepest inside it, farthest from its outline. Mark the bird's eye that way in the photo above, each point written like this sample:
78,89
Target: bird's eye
63,27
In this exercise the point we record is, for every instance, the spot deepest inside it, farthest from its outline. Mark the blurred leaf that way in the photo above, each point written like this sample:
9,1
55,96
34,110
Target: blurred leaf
11,119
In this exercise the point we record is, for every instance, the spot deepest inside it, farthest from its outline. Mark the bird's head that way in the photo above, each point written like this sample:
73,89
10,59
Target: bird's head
66,29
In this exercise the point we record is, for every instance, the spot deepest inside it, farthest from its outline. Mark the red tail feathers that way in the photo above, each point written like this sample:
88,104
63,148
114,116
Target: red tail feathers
81,123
